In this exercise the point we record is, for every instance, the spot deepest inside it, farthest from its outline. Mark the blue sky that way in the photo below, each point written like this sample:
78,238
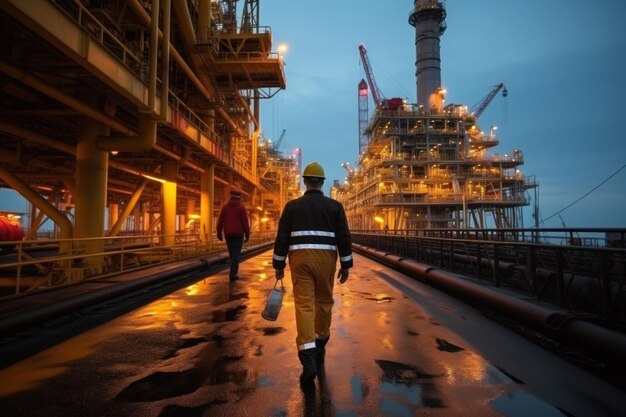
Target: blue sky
562,61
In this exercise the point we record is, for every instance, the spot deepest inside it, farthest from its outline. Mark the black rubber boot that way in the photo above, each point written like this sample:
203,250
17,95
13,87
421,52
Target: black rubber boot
320,346
309,369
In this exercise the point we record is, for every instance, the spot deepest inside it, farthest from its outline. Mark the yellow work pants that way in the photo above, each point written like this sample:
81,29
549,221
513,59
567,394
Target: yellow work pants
312,275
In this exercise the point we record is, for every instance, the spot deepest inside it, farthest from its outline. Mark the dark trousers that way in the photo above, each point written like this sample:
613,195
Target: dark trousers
234,245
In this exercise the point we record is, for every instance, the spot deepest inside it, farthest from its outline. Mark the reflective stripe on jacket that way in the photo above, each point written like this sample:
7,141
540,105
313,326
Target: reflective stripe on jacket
313,221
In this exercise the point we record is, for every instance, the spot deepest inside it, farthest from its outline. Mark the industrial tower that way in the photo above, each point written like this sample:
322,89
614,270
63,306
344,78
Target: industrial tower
426,165
428,18
363,114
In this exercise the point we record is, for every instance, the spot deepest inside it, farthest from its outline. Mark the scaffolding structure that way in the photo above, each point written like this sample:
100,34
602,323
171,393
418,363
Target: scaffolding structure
433,170
279,177
137,117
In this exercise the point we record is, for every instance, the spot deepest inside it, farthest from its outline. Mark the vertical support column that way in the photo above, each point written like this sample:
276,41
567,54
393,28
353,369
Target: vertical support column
255,138
165,59
207,201
255,204
281,200
465,216
137,213
210,119
169,170
91,190
191,207
226,190
33,225
114,214
204,21
147,221
189,215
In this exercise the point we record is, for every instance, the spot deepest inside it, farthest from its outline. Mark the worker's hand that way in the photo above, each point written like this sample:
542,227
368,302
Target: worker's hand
219,237
279,273
343,275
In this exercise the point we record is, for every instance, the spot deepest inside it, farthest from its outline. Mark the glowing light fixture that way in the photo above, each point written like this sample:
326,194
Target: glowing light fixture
161,180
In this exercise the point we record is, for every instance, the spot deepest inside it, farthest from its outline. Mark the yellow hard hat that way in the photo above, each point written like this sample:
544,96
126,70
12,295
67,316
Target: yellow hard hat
314,170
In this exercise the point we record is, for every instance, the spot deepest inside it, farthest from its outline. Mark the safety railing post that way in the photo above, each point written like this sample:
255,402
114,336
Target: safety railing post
18,279
122,254
531,268
452,246
606,285
441,253
479,262
560,276
496,265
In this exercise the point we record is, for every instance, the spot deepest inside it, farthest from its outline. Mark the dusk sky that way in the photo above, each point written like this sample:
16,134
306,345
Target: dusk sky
563,63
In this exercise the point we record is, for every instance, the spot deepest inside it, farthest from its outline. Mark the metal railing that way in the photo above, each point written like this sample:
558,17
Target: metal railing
585,279
128,53
36,264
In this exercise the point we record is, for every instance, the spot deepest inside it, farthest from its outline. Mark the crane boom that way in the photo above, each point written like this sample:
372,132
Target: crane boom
280,140
479,108
376,93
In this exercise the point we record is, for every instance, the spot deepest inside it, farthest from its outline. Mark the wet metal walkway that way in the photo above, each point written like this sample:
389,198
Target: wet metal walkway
398,348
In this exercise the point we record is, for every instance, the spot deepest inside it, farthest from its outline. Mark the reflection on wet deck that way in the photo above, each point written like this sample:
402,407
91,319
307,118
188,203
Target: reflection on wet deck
206,351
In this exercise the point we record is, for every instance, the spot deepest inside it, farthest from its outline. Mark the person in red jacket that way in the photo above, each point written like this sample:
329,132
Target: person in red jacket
233,225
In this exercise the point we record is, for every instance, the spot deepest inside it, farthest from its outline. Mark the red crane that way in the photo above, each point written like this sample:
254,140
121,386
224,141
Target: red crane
480,107
376,93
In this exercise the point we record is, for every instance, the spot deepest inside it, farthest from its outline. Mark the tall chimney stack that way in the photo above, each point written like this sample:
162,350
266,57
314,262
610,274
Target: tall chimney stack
428,18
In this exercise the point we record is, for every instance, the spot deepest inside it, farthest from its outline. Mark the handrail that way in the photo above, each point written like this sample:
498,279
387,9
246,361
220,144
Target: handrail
602,237
137,65
584,279
131,253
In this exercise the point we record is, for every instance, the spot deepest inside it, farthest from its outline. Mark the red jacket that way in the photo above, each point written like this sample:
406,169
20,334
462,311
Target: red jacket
233,220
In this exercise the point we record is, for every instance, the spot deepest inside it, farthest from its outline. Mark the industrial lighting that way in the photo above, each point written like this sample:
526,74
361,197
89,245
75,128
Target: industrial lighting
194,216
282,48
491,130
161,180
379,219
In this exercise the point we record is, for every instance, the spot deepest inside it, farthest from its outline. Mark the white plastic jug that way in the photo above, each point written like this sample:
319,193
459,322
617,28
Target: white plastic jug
274,302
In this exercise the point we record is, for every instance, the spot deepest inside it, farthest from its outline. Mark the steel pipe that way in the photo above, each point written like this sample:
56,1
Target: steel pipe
574,329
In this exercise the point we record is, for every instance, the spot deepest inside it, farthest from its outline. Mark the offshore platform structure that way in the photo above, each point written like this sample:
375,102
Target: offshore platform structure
427,165
280,176
134,116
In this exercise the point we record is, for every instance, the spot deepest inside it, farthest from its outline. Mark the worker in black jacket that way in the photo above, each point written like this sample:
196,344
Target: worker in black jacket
312,230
